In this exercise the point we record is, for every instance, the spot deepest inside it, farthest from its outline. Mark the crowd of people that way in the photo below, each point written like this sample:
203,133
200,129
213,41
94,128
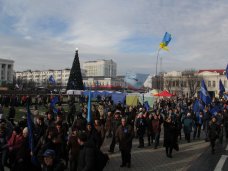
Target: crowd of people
65,140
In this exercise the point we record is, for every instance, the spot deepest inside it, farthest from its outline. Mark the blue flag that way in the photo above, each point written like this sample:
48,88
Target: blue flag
197,106
221,88
53,103
146,106
204,95
89,116
34,160
51,79
215,110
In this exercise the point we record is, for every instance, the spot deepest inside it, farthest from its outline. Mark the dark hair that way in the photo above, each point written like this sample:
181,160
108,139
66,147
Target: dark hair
82,136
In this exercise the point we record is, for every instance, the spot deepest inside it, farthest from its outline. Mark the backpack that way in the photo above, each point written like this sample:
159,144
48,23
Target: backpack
101,160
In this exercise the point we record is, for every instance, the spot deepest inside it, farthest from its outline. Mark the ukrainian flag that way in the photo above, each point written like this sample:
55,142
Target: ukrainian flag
166,39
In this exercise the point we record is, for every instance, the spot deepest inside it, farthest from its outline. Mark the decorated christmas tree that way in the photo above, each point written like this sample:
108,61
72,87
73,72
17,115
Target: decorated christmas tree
75,78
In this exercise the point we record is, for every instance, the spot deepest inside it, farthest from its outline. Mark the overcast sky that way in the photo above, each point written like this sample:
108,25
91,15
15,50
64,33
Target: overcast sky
44,34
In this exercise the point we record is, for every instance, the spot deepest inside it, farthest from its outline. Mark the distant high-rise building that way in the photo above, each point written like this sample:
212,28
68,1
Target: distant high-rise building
41,77
6,71
105,68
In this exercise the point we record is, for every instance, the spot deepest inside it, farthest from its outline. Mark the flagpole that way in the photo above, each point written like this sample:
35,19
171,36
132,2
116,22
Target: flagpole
156,76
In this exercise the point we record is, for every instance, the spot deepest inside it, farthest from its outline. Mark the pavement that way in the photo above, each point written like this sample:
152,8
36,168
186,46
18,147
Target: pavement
212,162
151,159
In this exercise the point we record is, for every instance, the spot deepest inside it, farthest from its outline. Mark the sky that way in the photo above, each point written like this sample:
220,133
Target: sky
43,34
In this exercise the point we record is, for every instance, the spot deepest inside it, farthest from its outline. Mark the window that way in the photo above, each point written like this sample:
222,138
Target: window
214,84
209,83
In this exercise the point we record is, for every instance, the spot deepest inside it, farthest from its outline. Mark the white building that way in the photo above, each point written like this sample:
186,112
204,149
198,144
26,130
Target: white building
189,83
211,79
41,77
103,68
104,82
6,70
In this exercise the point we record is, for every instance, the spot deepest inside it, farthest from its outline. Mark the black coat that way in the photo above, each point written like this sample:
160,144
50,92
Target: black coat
213,131
169,134
87,157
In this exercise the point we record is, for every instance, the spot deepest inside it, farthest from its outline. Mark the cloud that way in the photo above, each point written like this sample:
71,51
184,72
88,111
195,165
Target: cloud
44,34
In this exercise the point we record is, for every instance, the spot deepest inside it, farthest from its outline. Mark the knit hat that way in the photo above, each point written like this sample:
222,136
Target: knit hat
49,153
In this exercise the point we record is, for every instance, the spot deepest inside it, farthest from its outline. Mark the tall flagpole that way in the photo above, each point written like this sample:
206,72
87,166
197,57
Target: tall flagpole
156,76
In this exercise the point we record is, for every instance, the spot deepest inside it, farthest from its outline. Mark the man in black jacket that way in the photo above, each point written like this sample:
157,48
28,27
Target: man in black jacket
87,154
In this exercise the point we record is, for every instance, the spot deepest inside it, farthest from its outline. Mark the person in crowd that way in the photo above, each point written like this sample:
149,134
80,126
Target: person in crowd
11,114
108,122
14,143
156,126
50,120
213,133
188,124
71,113
206,120
100,130
220,123
141,128
198,124
150,129
22,155
115,124
39,128
124,136
73,149
50,162
79,123
93,136
87,153
225,118
169,136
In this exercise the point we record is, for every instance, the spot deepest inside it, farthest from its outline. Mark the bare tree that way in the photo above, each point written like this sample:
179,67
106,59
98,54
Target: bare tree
193,81
168,83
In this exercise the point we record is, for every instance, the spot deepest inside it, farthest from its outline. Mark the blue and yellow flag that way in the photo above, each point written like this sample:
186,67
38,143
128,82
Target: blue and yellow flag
166,39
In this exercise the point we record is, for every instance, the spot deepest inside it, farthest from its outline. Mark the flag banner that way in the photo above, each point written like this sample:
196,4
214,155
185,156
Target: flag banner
34,159
51,79
215,110
204,95
146,106
53,103
221,88
166,39
89,116
197,106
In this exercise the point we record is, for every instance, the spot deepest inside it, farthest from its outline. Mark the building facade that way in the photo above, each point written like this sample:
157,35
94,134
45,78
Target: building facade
212,78
102,83
188,83
100,68
6,71
41,77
